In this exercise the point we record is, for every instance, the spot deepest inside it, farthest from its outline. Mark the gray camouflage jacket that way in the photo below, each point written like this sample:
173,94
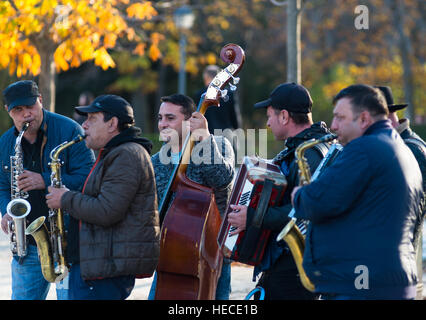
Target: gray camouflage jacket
212,165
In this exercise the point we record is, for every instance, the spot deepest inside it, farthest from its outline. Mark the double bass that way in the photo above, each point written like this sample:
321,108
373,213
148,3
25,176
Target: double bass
190,259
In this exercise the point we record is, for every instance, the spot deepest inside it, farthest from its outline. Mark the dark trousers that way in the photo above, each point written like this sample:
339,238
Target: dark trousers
282,281
117,288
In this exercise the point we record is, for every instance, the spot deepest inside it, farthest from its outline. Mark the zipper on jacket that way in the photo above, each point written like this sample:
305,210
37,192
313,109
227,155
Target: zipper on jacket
88,176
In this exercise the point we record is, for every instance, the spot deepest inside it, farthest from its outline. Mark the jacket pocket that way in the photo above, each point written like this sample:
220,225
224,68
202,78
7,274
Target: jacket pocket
110,257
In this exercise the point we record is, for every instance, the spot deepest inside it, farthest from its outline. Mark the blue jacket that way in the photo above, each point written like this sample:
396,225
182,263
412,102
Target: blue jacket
363,211
78,159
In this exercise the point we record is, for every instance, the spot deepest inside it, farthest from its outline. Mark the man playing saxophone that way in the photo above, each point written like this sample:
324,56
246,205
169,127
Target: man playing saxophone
363,208
290,119
119,233
45,131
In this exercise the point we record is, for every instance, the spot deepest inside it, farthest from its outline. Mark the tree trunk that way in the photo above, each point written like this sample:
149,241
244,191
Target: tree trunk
161,91
47,83
294,64
398,11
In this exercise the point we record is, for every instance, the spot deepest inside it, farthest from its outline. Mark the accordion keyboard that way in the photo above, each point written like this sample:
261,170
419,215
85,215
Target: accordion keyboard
243,200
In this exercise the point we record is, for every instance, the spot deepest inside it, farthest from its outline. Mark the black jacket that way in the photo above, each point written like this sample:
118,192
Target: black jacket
277,217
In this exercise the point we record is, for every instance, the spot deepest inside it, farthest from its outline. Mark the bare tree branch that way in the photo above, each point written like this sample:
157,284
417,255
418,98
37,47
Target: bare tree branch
12,3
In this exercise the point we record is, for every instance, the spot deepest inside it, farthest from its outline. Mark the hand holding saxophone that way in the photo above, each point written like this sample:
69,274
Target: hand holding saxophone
5,222
53,198
29,180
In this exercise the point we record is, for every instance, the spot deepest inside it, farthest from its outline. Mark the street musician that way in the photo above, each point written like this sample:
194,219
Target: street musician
290,119
363,209
177,117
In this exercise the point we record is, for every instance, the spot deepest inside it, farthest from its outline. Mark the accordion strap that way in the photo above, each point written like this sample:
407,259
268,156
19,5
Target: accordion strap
263,203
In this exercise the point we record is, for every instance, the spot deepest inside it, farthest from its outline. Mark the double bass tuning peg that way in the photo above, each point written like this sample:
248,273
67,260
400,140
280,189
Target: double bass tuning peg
224,95
232,87
235,80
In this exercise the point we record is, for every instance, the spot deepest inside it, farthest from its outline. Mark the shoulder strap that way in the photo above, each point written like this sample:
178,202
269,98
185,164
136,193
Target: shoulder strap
263,203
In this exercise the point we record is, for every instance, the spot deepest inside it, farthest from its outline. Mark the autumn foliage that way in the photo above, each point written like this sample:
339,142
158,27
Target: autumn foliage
76,30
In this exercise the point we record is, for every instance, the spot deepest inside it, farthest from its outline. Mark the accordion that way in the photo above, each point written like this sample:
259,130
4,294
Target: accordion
259,184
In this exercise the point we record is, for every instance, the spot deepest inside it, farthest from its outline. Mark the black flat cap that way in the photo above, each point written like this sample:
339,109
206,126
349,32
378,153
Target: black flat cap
21,93
289,96
387,92
112,104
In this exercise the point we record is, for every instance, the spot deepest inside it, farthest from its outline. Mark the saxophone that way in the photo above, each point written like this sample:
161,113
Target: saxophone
291,233
52,245
18,208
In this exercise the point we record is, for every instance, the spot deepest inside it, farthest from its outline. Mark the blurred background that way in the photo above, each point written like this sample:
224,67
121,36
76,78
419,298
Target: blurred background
144,50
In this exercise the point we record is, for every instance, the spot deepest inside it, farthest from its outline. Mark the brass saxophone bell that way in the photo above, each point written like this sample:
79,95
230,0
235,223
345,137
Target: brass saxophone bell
52,244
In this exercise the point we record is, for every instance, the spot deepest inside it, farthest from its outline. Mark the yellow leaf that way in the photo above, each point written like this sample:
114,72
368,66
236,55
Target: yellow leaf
130,34
19,71
141,10
4,60
26,61
75,62
154,52
95,39
156,37
224,24
35,66
140,49
61,63
103,59
211,58
87,53
47,7
109,40
12,67
67,54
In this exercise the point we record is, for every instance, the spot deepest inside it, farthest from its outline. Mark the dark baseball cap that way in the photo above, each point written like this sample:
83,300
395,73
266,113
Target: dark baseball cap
289,96
387,93
21,93
115,105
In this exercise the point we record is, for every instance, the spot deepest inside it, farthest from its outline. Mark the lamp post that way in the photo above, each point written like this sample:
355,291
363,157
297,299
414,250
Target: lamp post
294,60
184,19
